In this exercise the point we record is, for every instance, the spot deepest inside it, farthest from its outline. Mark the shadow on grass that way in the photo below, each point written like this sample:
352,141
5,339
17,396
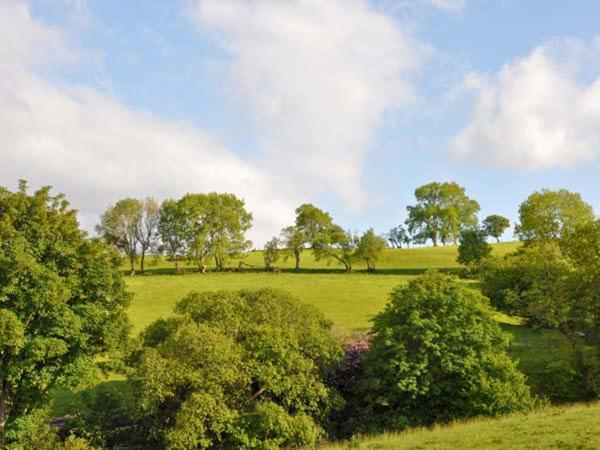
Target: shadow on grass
66,402
315,271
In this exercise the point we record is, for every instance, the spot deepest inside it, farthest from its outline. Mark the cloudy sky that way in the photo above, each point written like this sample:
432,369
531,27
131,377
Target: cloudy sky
349,104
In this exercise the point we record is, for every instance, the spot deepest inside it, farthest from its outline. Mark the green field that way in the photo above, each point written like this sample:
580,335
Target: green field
348,300
567,427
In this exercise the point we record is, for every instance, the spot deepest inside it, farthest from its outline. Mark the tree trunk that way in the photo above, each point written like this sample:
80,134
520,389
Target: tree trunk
297,256
201,265
4,409
143,255
498,240
177,269
132,262
434,239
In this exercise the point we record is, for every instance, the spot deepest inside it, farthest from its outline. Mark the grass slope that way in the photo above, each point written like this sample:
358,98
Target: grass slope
348,300
567,427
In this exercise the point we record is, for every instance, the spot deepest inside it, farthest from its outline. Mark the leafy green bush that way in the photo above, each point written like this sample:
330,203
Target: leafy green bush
233,369
437,354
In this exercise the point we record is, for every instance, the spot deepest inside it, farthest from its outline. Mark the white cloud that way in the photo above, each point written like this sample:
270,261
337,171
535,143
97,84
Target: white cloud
318,77
538,112
97,150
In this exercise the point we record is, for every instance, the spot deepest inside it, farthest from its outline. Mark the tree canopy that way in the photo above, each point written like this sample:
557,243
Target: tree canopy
438,354
495,226
370,248
548,215
236,369
62,301
441,212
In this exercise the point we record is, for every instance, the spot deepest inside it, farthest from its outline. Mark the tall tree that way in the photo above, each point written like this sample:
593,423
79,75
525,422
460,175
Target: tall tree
172,230
370,248
227,221
119,226
294,241
547,215
62,301
495,226
194,210
442,211
147,230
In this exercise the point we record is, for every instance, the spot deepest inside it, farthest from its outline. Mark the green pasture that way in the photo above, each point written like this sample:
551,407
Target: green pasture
566,427
348,300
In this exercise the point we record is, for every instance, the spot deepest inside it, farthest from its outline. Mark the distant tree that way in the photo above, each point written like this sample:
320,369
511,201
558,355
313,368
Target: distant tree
227,221
147,229
293,240
438,354
370,248
312,222
327,240
194,210
547,215
495,226
271,253
62,303
473,246
120,225
441,212
336,244
398,236
173,230
235,370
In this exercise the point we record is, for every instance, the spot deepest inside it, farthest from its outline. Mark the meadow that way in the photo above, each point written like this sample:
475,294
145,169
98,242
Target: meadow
564,427
349,300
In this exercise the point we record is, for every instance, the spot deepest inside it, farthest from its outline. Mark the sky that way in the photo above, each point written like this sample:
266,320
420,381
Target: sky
347,104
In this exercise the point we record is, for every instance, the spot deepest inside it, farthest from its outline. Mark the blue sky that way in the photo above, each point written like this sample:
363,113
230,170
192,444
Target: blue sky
350,104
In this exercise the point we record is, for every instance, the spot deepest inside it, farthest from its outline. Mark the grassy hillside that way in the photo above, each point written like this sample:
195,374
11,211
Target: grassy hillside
569,427
348,300
394,261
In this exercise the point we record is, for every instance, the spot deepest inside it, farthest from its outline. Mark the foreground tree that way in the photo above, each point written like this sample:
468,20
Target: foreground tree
495,226
441,212
547,215
62,301
370,248
235,370
473,247
438,354
120,226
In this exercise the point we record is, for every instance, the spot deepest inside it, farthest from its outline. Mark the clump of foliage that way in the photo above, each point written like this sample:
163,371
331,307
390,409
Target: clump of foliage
271,254
62,301
495,226
437,354
549,215
527,282
473,247
346,378
370,248
441,212
234,369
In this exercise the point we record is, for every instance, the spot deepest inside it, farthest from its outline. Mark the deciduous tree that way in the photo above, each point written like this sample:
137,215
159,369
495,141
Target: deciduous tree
62,301
370,248
495,226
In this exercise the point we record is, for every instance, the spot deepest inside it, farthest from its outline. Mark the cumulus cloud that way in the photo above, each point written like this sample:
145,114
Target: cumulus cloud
538,112
318,77
97,150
